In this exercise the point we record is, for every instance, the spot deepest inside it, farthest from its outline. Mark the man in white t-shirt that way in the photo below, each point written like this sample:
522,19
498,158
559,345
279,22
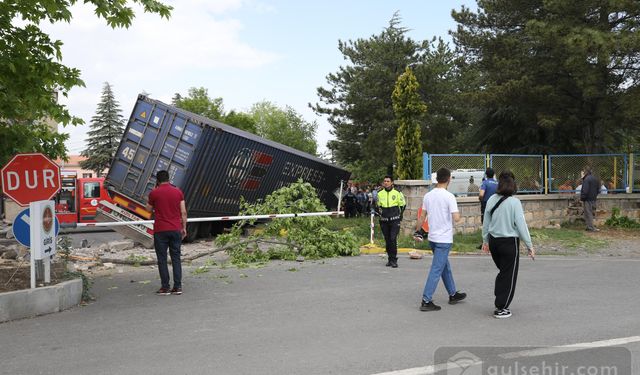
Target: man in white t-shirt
440,208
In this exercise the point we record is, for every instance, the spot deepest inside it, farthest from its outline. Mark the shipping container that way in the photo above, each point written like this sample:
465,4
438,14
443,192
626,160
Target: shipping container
214,164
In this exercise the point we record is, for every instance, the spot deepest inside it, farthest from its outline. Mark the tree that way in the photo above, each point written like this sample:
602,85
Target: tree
408,108
106,131
443,86
557,76
285,126
31,73
358,100
199,102
34,137
240,120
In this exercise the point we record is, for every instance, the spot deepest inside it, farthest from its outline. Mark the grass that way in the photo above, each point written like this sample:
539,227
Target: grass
569,238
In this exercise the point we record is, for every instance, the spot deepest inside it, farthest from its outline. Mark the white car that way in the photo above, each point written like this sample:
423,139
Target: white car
464,182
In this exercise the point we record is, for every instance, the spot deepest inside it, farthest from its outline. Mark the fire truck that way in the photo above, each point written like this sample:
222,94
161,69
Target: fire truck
78,198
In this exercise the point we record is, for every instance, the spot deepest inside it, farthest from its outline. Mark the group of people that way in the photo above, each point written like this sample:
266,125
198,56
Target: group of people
358,202
503,227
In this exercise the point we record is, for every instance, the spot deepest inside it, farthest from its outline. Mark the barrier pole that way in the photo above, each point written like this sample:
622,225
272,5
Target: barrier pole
546,175
205,219
372,226
340,195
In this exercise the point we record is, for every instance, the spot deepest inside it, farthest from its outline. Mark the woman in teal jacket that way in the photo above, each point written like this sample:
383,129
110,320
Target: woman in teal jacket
503,228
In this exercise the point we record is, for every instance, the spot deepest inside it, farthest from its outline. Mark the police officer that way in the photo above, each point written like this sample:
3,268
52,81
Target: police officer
390,207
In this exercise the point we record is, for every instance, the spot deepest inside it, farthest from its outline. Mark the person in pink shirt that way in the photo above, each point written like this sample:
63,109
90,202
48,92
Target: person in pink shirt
169,228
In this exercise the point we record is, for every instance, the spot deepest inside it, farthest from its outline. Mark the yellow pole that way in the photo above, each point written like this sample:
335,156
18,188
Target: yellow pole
546,176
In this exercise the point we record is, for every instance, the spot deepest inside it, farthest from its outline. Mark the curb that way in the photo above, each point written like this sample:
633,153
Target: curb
44,300
373,249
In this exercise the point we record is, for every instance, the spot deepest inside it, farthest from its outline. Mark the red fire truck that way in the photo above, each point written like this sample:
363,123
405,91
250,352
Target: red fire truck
78,198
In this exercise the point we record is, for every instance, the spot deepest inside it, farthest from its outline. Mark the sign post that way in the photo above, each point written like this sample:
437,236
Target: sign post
32,180
42,237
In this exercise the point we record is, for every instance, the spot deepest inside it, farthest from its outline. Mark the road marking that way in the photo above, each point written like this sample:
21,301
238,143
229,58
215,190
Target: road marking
433,369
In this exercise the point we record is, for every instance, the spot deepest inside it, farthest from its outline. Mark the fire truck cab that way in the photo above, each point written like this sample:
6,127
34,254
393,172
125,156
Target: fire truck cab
78,198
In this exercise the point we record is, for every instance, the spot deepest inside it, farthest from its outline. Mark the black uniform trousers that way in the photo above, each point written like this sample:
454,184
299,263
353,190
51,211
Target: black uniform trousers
505,252
390,230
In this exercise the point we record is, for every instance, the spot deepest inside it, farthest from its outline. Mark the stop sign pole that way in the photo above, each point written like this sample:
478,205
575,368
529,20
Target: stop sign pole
29,178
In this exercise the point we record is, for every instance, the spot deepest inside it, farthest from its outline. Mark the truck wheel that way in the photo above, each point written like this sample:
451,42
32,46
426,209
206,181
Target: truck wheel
192,232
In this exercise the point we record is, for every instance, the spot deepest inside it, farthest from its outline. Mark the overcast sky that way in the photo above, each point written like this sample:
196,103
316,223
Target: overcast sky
244,51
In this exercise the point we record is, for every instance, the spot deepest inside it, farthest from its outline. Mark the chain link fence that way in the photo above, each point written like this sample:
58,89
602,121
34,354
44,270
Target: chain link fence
565,172
455,162
528,170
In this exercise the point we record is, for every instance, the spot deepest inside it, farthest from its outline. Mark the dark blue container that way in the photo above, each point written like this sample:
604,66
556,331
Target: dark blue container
214,164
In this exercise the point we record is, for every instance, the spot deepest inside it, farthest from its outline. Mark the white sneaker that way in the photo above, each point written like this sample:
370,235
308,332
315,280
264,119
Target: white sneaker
502,313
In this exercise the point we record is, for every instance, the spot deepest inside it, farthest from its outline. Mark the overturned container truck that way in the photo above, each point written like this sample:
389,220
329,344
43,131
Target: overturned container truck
214,164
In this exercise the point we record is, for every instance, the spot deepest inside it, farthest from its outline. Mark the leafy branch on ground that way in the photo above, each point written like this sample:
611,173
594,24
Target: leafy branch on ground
137,260
299,236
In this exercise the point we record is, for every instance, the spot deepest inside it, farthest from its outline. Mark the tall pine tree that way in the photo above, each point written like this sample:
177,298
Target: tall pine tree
408,108
106,131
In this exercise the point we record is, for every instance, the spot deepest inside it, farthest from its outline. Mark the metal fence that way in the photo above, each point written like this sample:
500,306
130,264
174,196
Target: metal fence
528,169
565,171
453,162
542,174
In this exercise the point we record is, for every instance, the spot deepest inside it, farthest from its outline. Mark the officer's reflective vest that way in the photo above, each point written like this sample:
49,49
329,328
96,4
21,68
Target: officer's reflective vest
391,205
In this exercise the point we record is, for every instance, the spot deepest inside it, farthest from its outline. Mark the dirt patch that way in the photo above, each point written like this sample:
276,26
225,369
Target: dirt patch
608,242
17,275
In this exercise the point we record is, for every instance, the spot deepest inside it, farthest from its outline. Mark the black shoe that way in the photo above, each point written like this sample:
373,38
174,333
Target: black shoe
479,247
457,298
394,264
388,263
429,306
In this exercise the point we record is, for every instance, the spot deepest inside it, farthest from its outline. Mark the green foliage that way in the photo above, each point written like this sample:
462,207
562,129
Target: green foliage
358,99
31,75
87,283
308,235
617,220
285,126
35,137
557,76
104,137
408,108
240,120
199,102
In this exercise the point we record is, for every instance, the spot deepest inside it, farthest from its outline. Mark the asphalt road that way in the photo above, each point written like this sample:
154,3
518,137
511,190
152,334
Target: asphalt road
338,316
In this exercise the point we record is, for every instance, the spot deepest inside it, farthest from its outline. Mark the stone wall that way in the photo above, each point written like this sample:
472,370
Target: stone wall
540,210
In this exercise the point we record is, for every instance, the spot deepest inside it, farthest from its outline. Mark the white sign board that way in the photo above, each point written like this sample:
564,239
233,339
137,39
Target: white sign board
43,229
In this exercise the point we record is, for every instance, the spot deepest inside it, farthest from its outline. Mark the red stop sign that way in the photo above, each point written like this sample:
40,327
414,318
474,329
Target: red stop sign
29,178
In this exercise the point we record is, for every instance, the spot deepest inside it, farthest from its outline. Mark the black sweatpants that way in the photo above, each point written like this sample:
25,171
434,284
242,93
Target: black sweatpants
390,230
505,252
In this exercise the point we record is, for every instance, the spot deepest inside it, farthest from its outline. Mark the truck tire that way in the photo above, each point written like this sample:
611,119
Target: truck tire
192,232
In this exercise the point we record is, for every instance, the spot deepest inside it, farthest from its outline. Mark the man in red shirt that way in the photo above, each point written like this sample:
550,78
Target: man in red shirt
169,228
